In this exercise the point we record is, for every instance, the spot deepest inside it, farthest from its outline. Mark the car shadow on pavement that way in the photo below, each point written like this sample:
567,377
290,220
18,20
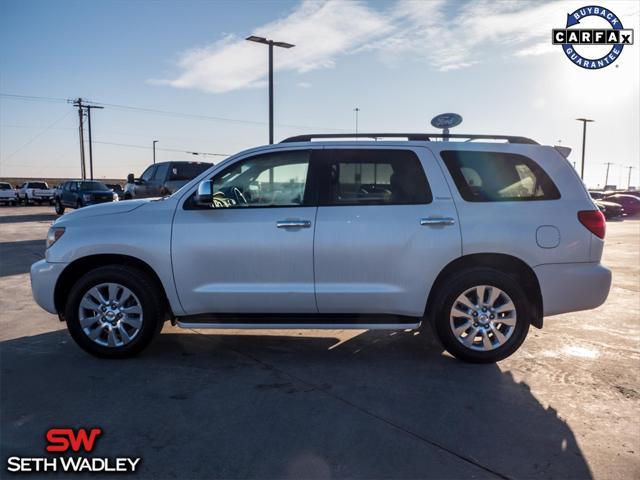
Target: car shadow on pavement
381,404
17,257
37,217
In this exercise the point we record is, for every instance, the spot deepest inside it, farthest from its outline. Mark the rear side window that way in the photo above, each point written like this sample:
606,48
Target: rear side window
498,177
374,177
186,171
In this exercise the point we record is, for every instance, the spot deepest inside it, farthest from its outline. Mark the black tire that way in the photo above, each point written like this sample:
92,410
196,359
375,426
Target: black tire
59,207
26,200
78,204
461,282
141,285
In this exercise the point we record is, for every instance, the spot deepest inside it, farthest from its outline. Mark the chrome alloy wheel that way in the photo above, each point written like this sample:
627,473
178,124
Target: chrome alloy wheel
483,318
110,314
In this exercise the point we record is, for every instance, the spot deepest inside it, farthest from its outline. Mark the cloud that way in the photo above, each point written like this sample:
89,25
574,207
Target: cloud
447,35
320,30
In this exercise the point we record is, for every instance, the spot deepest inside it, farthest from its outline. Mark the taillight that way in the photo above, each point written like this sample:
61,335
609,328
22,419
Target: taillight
594,221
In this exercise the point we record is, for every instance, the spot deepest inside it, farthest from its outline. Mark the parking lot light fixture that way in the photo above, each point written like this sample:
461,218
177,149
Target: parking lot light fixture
271,44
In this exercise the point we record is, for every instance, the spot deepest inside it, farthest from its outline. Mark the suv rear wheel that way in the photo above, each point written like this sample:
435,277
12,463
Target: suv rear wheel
59,207
113,311
482,315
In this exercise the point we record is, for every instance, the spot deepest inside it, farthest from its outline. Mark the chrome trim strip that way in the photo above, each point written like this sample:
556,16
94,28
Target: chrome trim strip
301,326
437,221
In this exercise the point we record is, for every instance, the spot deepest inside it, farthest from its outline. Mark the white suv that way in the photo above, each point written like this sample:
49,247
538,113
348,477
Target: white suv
481,238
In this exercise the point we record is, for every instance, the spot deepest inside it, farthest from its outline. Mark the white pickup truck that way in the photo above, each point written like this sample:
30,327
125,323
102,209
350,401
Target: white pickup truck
7,194
35,192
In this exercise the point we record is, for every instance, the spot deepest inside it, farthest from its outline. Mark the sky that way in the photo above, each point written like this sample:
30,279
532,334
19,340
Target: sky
180,72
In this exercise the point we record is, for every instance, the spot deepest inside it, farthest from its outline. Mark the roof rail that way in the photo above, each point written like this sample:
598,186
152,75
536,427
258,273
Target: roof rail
427,137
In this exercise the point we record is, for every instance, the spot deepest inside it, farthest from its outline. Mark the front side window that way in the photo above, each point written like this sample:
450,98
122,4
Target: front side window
148,173
161,172
277,179
498,177
375,177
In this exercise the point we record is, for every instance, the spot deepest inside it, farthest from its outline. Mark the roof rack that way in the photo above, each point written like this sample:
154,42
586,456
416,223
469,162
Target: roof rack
427,137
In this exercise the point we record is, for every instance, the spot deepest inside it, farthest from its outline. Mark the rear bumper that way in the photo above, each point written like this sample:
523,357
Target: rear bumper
570,287
44,276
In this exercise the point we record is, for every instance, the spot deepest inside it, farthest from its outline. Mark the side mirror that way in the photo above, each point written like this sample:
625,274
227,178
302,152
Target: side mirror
204,195
130,178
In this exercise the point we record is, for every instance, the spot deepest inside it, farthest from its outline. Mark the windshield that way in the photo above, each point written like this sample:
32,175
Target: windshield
5,186
38,185
86,186
187,171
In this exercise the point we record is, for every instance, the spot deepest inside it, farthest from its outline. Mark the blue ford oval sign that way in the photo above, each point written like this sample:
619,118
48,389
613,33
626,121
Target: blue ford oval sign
446,120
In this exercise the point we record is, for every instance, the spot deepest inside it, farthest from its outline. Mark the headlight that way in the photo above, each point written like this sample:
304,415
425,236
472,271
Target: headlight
115,197
53,235
86,197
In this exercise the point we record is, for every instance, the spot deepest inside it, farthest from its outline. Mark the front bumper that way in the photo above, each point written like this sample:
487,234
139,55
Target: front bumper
570,287
44,277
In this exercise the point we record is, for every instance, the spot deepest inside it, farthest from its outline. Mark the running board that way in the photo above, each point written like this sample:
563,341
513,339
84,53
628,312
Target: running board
301,326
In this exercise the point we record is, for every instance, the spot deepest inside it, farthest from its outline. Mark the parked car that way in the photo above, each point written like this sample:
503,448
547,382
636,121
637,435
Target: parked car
596,195
630,203
635,193
609,209
81,193
162,179
481,239
35,192
7,194
116,188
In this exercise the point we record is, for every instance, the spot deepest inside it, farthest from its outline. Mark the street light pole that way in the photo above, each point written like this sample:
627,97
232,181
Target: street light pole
271,44
154,151
606,177
584,141
357,110
630,167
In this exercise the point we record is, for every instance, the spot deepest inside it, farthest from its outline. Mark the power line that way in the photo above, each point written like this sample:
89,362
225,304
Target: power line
184,115
175,150
38,135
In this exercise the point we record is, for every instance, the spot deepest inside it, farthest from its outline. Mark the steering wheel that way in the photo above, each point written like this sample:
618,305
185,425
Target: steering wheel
239,196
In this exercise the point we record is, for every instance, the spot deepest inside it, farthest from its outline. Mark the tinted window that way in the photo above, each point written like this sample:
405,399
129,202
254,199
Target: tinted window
148,173
161,172
41,185
5,186
374,177
93,186
498,177
272,180
187,171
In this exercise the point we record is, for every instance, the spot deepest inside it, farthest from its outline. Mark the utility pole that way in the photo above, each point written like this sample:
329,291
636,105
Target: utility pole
357,110
606,178
271,44
154,151
78,103
584,141
89,107
630,167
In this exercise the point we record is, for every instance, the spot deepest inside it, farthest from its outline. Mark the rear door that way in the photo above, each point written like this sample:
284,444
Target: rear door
386,226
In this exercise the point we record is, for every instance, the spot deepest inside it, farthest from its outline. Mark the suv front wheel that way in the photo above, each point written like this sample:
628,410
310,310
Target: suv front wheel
482,315
113,311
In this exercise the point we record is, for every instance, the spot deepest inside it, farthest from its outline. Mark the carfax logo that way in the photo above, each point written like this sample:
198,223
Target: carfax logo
65,441
597,47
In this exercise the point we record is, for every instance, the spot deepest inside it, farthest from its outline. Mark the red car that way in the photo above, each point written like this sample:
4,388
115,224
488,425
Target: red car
630,203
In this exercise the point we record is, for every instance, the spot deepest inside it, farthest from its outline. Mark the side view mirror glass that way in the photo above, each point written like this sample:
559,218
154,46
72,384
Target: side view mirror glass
204,195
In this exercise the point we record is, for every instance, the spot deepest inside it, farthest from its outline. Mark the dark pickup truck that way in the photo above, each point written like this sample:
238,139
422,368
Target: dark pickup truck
162,179
81,193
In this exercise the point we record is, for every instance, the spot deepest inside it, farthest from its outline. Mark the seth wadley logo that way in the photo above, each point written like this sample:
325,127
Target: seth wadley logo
610,32
64,440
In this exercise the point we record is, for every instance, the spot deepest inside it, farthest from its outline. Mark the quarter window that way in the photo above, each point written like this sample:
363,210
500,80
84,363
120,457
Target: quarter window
375,177
498,177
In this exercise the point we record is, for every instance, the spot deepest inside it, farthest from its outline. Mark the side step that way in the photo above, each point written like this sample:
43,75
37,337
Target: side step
299,322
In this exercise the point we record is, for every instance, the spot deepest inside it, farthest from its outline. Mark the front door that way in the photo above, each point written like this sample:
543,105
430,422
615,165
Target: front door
386,226
251,251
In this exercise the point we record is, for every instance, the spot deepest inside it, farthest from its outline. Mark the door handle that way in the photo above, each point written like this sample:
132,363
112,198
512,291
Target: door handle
437,221
293,224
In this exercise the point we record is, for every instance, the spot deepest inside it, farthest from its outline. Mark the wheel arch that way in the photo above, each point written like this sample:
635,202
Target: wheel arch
505,263
79,267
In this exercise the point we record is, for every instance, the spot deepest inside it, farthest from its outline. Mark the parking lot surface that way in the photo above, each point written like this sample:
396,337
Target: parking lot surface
330,404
